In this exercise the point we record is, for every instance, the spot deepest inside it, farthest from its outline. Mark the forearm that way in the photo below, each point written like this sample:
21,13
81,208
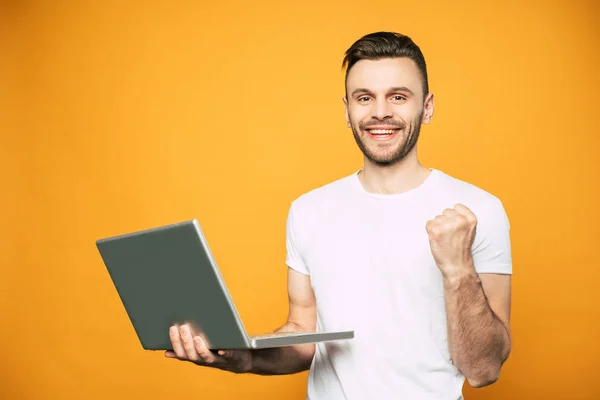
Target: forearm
479,342
282,360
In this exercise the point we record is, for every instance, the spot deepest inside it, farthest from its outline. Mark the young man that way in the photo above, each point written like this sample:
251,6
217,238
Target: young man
416,262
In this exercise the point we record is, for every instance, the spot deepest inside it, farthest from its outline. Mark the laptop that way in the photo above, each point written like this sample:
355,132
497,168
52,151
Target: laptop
167,276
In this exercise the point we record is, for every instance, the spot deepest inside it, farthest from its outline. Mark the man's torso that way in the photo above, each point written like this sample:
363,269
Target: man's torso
372,271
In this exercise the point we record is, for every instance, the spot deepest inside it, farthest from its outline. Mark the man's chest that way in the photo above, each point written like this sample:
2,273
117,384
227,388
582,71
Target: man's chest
371,267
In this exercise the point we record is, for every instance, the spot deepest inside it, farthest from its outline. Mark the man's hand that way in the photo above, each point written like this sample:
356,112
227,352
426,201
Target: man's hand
190,347
451,236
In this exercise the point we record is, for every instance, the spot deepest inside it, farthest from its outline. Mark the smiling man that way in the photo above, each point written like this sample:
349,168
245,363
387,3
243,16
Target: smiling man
417,262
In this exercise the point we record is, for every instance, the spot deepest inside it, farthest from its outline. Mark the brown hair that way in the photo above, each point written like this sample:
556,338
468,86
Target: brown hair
380,45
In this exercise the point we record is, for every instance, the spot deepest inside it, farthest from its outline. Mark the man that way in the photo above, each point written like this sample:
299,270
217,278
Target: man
417,262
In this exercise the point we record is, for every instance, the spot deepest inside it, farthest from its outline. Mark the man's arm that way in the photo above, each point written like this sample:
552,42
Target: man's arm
302,318
478,312
477,305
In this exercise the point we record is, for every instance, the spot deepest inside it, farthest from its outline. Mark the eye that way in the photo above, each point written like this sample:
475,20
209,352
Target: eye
363,99
398,97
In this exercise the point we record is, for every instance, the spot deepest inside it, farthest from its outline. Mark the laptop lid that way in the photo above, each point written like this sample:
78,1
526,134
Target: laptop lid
167,276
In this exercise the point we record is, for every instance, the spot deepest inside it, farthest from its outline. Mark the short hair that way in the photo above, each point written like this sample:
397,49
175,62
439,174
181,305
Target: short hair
381,45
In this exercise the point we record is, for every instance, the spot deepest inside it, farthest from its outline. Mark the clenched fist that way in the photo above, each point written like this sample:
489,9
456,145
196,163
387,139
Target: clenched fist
451,236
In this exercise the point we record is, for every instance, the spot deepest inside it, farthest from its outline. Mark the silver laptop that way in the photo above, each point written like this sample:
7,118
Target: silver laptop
167,276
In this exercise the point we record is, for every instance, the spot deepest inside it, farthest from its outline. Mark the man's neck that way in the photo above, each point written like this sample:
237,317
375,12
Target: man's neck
401,177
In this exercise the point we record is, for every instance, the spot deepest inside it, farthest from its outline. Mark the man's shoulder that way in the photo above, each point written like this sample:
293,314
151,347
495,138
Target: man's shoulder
473,196
326,194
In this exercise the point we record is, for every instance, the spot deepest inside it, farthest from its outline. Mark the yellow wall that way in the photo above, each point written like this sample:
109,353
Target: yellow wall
127,115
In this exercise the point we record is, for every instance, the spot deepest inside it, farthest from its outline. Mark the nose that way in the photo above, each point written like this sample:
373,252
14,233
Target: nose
382,109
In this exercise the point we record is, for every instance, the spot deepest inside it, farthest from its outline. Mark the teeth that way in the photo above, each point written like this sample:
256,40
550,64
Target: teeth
382,131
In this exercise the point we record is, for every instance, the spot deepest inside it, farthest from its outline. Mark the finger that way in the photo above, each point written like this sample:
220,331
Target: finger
464,210
453,218
448,212
188,343
205,354
469,216
176,342
433,227
226,353
170,354
429,225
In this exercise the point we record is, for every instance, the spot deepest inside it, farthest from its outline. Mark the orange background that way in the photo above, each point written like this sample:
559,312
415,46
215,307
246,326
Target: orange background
118,116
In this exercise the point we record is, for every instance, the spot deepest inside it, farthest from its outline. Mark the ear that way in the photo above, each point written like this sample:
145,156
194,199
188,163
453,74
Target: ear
428,108
345,100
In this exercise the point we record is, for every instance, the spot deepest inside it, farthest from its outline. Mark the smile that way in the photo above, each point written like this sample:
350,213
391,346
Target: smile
383,135
381,131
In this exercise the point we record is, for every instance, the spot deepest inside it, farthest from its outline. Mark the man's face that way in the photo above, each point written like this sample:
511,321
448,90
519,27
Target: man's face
385,108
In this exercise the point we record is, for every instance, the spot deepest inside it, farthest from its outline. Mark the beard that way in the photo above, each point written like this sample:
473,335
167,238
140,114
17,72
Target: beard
389,157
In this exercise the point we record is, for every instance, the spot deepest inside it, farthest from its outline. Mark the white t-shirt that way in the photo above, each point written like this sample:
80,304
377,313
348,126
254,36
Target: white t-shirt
372,271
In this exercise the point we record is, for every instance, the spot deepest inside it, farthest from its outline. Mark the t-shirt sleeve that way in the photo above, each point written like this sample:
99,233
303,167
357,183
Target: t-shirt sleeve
294,258
492,247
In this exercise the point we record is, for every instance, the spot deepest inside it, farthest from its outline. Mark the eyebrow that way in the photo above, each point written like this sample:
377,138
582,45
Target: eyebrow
401,89
392,89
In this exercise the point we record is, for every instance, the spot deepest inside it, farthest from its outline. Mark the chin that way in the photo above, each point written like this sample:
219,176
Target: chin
389,157
385,162
385,156
382,160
